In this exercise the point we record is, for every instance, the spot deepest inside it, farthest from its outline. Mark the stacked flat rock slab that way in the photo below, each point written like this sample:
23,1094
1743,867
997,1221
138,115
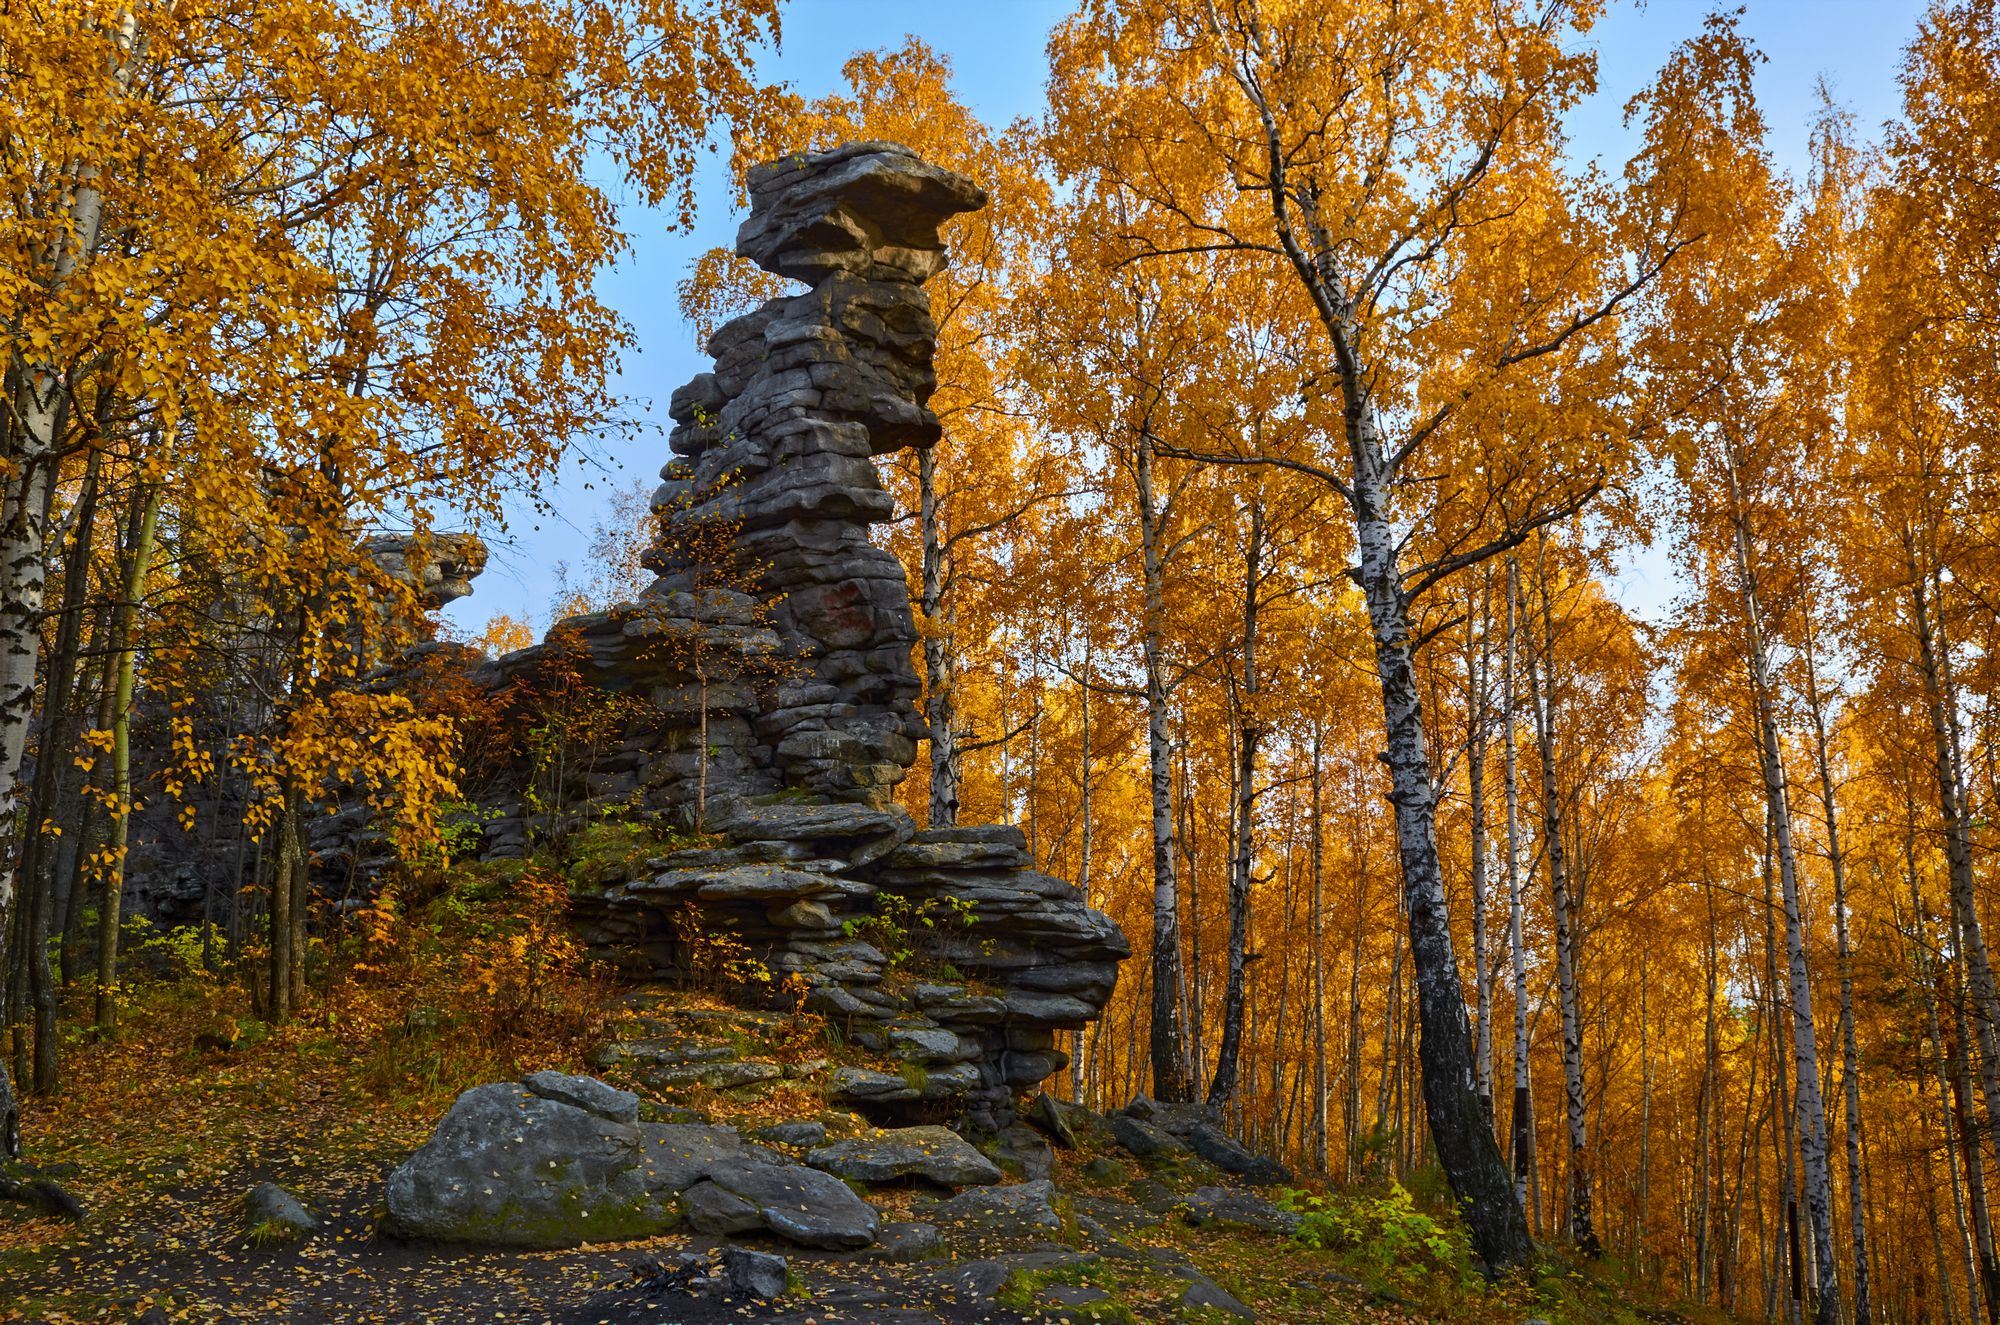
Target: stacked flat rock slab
804,633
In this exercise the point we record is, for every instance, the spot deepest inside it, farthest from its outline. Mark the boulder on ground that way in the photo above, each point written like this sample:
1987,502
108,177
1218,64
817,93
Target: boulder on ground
792,1134
1021,1151
1145,1140
1197,1127
907,1242
799,1204
979,1281
756,1275
1053,1117
935,1154
586,1093
559,1165
1232,1156
1026,1203
272,1214
1225,1205
1204,1294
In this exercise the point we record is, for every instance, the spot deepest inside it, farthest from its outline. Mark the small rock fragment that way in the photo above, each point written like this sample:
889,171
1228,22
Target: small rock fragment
757,1275
272,1214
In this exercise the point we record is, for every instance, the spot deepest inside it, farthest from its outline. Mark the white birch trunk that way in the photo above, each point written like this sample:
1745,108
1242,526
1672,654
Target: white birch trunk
1524,1112
1475,782
1173,1076
1249,733
1811,1108
1554,849
1458,1127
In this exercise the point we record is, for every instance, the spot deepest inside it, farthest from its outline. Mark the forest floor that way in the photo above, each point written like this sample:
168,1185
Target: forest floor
162,1133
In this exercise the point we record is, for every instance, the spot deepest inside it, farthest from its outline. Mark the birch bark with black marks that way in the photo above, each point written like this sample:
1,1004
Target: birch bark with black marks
1477,722
1523,1129
1850,1055
1814,1165
1933,662
1458,1126
57,736
1542,701
1173,1074
1249,734
1321,1158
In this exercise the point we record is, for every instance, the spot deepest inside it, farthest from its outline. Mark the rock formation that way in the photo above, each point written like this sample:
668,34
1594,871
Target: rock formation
775,650
438,567
180,876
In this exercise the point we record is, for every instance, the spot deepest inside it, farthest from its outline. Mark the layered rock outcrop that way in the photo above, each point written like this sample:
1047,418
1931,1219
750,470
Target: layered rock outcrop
775,650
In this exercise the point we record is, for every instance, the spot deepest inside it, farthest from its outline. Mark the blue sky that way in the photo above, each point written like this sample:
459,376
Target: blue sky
996,49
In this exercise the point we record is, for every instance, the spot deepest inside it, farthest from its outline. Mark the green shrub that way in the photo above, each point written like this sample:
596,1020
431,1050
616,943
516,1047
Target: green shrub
897,924
1388,1235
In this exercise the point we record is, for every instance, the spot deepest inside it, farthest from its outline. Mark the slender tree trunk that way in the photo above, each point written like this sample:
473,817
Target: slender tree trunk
87,821
1524,1108
1320,1155
1083,855
1248,735
1173,1075
1477,634
1973,1155
138,560
1747,1160
301,875
1813,1160
1948,1065
1850,1056
1351,1098
1542,699
1705,1118
278,972
1933,654
1638,1257
40,407
23,583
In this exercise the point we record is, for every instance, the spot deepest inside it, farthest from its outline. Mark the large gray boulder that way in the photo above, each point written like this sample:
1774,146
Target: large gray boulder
1226,1205
1020,1206
559,1164
798,1204
935,1154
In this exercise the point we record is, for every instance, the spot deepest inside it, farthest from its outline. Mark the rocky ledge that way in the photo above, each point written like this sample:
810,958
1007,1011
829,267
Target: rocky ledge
987,960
